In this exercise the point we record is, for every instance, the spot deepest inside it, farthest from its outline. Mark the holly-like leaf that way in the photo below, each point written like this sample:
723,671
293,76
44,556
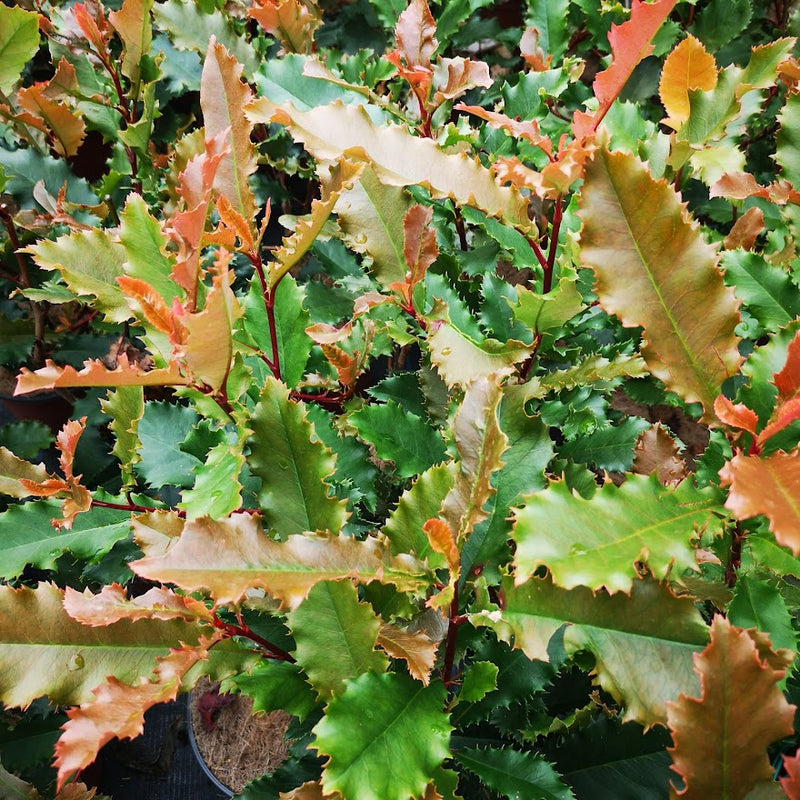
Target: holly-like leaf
223,96
125,408
480,443
65,660
335,636
161,431
117,711
609,448
227,557
418,650
630,43
687,68
89,263
459,358
66,129
788,143
377,714
600,542
767,292
658,274
790,783
418,504
657,452
276,685
217,490
293,467
758,604
30,538
642,642
132,23
542,312
480,678
95,373
721,735
12,469
419,249
746,230
398,436
19,40
767,486
397,157
112,604
515,774
593,369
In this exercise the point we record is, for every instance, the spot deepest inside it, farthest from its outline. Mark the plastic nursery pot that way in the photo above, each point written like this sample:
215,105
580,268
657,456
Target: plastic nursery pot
233,745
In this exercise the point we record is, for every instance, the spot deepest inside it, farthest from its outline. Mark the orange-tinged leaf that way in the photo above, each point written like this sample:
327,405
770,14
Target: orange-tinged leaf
532,52
657,272
68,128
64,83
787,381
736,416
95,373
112,604
229,556
419,247
768,486
415,34
236,223
13,470
630,44
310,790
66,441
117,710
95,28
151,304
223,96
417,649
462,74
519,129
746,230
720,739
291,22
346,366
790,783
687,68
208,345
132,23
741,185
442,541
656,451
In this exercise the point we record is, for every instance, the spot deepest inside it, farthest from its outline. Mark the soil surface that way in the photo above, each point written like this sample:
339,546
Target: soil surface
241,746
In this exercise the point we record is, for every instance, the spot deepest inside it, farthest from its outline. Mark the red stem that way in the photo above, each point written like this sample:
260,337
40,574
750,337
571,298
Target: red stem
450,644
735,555
272,650
547,283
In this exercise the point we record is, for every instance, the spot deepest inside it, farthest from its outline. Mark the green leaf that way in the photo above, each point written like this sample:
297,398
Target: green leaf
708,28
19,41
510,239
600,542
660,274
758,604
292,465
376,715
217,490
397,157
30,538
371,217
29,742
162,430
516,775
787,153
411,442
16,339
543,312
26,167
291,320
146,248
642,643
276,685
26,437
64,659
609,448
549,17
768,553
335,636
479,679
416,506
191,29
125,407
90,263
767,292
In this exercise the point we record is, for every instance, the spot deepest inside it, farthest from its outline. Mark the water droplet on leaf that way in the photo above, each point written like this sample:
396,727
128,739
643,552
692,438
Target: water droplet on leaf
446,351
75,662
